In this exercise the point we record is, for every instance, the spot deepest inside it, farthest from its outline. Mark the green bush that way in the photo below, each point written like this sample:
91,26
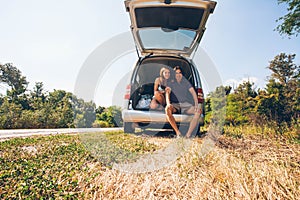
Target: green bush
101,124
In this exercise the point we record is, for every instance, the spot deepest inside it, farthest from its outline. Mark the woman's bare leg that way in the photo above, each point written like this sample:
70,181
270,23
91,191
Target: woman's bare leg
169,112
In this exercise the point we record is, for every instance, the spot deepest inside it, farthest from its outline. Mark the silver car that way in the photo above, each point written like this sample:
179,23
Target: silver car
166,34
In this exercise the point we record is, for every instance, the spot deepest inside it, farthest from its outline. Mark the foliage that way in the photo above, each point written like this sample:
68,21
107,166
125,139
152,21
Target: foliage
22,108
112,115
284,70
9,114
115,147
240,104
290,23
100,124
239,167
280,101
54,167
278,105
84,112
42,168
12,76
217,108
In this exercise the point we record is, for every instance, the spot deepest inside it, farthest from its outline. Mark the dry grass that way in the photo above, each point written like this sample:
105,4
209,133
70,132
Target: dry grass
251,167
235,166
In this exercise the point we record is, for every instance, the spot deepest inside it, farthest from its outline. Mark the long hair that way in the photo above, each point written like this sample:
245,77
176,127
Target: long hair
161,73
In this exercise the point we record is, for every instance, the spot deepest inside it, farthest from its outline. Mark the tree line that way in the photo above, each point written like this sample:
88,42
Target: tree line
277,105
23,108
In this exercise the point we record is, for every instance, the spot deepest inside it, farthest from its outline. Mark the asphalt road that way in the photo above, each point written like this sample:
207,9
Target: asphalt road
13,133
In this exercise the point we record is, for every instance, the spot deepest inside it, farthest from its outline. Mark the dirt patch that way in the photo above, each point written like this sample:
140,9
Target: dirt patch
30,149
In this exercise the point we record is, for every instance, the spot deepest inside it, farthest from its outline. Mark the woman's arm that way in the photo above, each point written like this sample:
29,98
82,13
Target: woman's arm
168,92
156,83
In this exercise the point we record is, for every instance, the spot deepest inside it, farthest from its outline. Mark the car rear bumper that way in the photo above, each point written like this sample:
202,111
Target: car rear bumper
139,116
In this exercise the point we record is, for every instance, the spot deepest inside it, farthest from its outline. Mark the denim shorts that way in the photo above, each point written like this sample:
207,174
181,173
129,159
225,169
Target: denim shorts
182,107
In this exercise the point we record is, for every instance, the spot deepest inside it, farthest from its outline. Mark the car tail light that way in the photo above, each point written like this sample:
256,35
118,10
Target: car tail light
200,95
127,93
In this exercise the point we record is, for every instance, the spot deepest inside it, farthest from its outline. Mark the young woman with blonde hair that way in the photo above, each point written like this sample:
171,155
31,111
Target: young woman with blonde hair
159,101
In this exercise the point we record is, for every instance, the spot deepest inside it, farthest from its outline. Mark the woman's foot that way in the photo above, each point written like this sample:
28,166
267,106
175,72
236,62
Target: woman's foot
178,134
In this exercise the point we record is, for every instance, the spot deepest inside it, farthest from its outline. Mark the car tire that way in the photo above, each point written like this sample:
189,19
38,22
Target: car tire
197,131
128,127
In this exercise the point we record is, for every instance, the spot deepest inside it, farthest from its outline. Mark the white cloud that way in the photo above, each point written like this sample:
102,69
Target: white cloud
234,83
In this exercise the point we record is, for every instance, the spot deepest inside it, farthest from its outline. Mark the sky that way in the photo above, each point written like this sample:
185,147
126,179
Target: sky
51,41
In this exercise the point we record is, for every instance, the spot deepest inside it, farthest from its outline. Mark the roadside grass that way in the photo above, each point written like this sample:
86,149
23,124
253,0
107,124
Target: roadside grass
115,147
53,167
242,165
41,167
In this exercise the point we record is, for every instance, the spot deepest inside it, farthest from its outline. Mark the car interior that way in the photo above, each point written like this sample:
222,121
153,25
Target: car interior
143,83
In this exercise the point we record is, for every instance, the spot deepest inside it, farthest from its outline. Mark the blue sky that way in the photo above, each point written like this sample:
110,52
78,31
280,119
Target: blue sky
50,40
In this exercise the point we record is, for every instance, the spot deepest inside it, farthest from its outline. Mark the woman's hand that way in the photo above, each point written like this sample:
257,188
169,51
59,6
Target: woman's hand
198,109
168,89
159,92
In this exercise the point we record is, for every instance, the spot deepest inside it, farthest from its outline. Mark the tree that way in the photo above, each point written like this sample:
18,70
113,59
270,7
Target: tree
38,91
37,109
240,104
84,112
216,112
290,23
283,68
37,97
280,102
100,110
233,111
12,76
115,116
269,103
89,113
10,114
112,115
287,74
61,109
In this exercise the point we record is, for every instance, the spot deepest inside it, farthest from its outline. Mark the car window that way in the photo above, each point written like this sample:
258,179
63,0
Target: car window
157,38
148,72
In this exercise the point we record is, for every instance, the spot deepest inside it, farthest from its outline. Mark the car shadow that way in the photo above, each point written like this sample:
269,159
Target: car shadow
156,133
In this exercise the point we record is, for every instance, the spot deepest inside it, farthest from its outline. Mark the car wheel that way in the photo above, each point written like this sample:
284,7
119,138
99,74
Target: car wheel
128,127
198,133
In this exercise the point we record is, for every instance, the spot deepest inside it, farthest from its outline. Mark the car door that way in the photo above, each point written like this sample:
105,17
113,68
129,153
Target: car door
170,27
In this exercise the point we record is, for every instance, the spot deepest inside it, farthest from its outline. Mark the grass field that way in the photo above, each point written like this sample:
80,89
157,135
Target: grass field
239,166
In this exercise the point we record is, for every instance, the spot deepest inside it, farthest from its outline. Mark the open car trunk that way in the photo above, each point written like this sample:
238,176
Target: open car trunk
142,87
168,27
